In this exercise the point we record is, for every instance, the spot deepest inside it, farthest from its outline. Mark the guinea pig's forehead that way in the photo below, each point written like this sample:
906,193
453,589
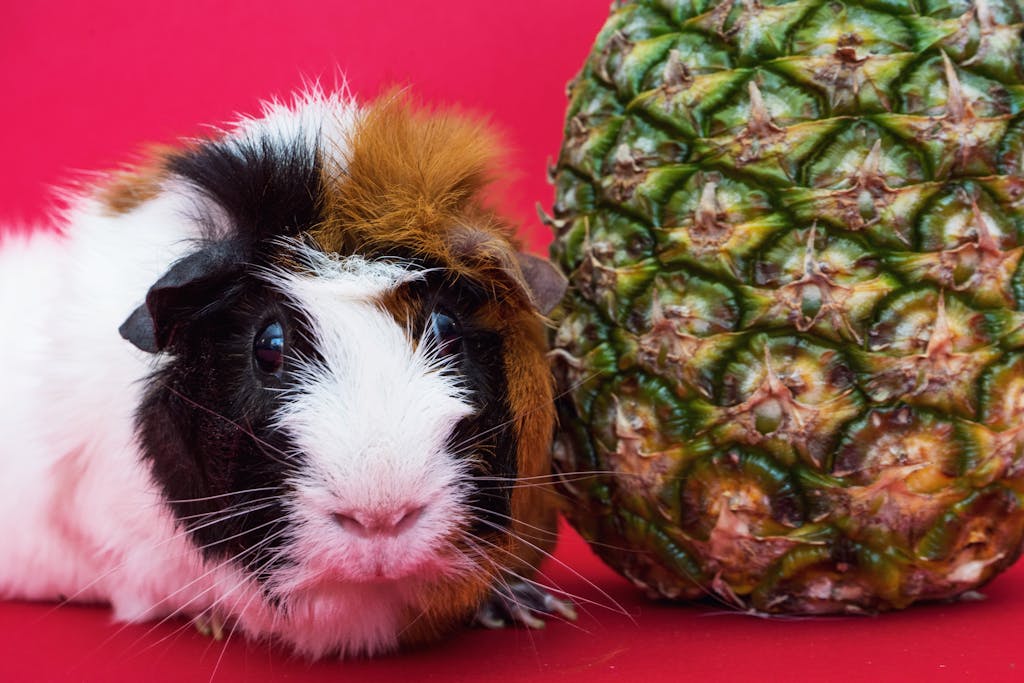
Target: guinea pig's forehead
310,275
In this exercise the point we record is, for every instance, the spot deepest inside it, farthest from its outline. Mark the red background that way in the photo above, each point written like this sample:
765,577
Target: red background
85,85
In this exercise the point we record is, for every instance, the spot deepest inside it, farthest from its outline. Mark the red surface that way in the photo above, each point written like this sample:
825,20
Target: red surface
647,643
84,85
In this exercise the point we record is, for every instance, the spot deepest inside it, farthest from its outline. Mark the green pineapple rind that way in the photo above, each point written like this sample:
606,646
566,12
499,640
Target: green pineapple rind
794,338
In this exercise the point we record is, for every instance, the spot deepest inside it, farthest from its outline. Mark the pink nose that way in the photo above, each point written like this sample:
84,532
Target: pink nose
377,522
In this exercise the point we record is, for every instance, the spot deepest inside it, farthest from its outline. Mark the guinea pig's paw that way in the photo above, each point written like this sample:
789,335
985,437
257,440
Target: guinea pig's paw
523,604
210,625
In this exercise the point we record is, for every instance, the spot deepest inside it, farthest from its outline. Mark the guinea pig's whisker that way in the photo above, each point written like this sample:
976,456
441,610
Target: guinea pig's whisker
548,586
227,513
246,578
263,446
555,477
231,632
542,481
474,541
227,508
544,553
576,385
247,574
540,406
476,440
221,495
119,566
514,479
579,475
548,534
508,594
219,541
550,486
243,581
544,534
499,577
153,626
247,431
475,454
412,622
706,591
223,518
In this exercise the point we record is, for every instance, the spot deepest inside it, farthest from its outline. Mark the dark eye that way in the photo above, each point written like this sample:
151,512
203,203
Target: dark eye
268,349
446,333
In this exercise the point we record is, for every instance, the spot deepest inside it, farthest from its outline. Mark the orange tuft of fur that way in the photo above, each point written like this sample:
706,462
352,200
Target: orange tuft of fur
414,182
531,402
134,186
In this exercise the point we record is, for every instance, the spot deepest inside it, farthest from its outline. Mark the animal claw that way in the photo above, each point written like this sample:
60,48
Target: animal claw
522,604
211,627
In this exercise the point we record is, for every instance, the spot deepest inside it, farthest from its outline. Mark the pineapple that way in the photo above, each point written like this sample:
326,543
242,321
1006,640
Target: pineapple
792,355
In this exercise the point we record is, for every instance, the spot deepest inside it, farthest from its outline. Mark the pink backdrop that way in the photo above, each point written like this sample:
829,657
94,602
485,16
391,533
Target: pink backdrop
86,84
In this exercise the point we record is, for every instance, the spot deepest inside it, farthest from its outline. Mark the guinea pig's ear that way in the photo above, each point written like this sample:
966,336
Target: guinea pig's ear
188,286
545,284
491,257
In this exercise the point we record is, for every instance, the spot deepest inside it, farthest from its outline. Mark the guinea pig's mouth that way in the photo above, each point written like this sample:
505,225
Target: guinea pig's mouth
383,572
375,561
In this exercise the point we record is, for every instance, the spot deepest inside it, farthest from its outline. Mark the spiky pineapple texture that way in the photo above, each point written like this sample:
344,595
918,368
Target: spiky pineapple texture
794,339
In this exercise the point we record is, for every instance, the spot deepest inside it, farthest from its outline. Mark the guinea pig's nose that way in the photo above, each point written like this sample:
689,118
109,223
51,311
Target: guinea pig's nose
379,522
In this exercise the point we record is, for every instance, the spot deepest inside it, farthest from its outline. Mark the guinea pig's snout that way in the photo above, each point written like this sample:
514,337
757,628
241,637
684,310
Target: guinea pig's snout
379,522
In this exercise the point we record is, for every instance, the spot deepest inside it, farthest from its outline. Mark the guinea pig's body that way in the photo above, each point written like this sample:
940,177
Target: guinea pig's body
285,379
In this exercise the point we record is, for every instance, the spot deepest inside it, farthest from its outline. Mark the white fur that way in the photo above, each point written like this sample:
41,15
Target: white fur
79,515
372,420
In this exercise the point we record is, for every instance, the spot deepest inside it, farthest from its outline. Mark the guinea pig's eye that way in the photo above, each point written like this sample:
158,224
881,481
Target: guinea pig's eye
268,348
446,333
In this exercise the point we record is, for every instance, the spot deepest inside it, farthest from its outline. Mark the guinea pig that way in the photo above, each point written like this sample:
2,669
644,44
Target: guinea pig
284,380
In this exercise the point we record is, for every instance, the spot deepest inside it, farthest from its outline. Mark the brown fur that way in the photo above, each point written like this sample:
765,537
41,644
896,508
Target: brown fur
414,186
534,504
446,607
415,181
531,401
132,187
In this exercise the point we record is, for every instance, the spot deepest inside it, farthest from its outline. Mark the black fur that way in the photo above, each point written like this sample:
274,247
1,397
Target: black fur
204,429
489,435
266,190
203,423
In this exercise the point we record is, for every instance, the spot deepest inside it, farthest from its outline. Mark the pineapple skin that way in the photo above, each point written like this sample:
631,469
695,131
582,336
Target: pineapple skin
791,360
